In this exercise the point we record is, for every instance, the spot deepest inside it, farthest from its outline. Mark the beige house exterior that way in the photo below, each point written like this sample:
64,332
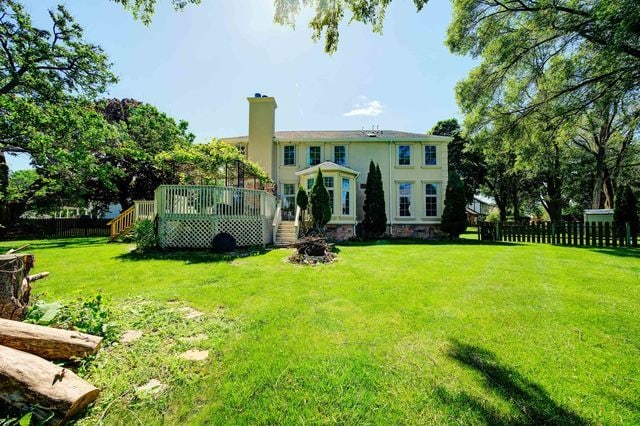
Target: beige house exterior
413,166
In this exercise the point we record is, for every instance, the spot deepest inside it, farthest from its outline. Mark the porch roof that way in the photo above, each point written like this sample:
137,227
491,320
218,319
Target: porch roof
328,166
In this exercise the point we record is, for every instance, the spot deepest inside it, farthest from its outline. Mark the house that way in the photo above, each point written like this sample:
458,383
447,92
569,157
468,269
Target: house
413,166
478,209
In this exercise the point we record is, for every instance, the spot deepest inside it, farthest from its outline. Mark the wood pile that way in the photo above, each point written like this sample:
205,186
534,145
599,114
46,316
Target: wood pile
313,250
28,378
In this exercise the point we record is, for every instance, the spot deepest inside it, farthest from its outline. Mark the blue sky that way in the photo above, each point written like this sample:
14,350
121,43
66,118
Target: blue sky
201,64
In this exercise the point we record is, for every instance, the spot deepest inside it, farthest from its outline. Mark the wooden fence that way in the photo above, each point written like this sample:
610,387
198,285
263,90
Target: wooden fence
594,234
56,227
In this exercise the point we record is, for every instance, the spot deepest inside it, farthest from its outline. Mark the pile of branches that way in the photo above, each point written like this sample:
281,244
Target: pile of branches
312,250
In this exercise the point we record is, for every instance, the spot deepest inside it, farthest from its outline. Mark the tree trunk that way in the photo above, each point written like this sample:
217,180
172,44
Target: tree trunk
27,380
46,342
14,285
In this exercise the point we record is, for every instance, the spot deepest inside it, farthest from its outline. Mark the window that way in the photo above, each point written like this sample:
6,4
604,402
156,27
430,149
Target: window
289,155
288,197
310,183
328,183
340,154
429,155
404,155
346,199
313,155
431,199
404,199
242,149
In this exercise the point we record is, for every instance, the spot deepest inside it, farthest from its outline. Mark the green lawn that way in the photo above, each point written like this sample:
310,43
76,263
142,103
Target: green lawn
391,333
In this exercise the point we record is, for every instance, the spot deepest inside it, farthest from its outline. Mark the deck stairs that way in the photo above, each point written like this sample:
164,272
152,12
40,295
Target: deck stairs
286,234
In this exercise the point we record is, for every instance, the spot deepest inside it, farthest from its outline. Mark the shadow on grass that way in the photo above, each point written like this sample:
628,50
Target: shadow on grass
417,241
53,243
534,405
189,256
620,252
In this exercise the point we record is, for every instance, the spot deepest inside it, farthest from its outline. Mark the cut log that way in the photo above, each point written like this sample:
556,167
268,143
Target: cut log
27,380
46,342
14,284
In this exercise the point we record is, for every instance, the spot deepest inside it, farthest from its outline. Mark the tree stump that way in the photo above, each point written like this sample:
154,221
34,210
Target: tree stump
14,285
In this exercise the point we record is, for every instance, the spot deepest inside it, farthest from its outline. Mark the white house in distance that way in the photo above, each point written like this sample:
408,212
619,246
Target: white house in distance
413,166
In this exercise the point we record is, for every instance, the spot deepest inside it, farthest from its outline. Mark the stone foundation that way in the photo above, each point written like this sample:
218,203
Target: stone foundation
339,232
414,231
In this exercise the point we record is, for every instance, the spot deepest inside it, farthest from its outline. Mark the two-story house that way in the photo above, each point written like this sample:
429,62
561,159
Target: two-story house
413,166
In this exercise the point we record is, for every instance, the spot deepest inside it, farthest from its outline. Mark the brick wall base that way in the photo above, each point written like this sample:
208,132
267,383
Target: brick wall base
339,232
414,231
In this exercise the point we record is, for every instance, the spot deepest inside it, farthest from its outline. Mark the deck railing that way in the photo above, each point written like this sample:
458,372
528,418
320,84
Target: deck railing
144,210
203,200
123,222
277,219
296,224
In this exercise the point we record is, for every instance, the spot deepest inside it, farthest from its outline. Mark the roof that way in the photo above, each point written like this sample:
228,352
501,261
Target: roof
327,166
347,136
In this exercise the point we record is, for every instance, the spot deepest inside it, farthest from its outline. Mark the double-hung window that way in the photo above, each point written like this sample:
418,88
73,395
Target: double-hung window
310,183
431,199
404,155
404,199
313,155
289,155
430,155
340,154
328,183
346,196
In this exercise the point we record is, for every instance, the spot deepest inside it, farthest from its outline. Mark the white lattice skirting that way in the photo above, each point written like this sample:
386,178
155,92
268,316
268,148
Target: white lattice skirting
199,233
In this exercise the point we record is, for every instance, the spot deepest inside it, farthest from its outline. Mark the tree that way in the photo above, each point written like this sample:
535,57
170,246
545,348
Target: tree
375,215
454,216
467,163
42,72
320,203
144,9
143,132
626,210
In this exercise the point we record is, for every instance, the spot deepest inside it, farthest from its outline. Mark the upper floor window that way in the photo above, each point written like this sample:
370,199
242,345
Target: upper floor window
313,155
242,149
430,155
404,155
404,199
340,154
431,199
289,155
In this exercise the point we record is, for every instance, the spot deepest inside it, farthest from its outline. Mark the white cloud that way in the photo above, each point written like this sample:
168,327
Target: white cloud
368,109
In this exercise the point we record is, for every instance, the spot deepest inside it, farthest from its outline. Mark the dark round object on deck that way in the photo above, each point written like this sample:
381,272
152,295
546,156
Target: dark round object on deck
224,243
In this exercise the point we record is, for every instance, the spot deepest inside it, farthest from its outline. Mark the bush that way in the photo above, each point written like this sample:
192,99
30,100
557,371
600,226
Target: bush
375,215
493,216
87,316
454,216
320,207
144,235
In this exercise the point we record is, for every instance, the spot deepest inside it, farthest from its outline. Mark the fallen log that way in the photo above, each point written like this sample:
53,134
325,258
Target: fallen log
27,380
46,342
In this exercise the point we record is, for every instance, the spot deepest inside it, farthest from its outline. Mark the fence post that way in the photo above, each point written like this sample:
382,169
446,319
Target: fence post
553,233
498,231
627,228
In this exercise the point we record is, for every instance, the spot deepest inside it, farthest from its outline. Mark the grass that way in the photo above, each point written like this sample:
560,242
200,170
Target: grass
462,333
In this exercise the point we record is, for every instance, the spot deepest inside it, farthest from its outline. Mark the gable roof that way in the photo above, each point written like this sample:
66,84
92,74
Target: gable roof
327,166
347,136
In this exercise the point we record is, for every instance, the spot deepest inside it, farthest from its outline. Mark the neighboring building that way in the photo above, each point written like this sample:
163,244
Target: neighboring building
413,166
598,215
478,209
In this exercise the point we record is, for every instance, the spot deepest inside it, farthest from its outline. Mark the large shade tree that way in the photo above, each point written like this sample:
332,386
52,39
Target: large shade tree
45,75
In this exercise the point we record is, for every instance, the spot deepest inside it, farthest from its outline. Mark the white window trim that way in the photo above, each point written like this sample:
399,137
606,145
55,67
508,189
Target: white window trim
412,206
308,159
424,156
439,199
346,153
295,156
